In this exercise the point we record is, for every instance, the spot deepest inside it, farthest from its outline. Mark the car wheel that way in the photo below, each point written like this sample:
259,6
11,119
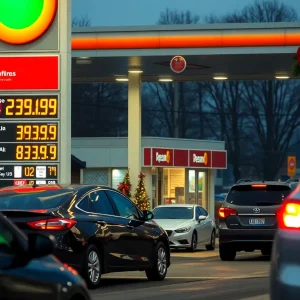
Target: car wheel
227,253
159,270
92,267
194,242
212,244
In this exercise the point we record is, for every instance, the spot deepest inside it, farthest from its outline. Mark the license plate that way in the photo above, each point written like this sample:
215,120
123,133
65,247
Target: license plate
257,221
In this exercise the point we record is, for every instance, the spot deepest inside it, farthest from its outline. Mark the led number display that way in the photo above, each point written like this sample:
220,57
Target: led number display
28,152
29,132
19,174
29,172
29,107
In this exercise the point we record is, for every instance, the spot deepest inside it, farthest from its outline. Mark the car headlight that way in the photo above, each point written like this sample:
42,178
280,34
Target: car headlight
182,230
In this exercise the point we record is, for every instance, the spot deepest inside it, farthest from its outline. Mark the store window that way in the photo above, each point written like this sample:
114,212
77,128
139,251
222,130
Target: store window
202,189
192,186
117,177
173,185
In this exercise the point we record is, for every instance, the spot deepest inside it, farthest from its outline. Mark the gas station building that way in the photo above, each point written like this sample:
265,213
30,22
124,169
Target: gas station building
40,62
178,171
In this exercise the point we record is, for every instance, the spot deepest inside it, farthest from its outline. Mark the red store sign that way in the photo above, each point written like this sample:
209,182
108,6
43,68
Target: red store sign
29,73
160,157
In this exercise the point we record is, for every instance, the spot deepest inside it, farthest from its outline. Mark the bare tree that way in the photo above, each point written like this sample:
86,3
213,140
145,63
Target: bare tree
171,98
83,21
174,16
98,108
267,102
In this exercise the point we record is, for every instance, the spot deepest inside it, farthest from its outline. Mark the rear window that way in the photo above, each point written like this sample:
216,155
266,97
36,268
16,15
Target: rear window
34,200
246,195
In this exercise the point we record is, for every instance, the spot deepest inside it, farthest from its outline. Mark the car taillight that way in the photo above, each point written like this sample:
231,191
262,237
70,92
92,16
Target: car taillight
288,216
225,212
58,224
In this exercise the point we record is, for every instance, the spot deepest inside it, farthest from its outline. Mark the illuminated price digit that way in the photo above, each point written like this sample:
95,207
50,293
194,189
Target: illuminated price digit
19,153
52,151
35,132
28,107
27,132
20,133
43,152
52,171
19,107
9,107
29,171
43,132
52,107
44,106
35,152
53,132
27,152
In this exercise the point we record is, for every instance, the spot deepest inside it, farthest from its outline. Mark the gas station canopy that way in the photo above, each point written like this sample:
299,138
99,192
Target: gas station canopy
233,51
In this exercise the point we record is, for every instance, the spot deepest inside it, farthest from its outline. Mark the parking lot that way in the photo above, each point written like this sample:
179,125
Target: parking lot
198,275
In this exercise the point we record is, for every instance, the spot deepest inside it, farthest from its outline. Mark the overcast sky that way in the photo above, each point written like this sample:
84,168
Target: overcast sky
146,12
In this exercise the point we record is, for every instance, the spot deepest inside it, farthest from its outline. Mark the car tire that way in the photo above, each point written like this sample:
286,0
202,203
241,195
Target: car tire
212,245
226,253
194,242
92,267
159,269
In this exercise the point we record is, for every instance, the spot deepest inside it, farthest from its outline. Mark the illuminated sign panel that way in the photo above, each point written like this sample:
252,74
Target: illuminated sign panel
28,174
28,152
29,73
24,21
29,106
29,132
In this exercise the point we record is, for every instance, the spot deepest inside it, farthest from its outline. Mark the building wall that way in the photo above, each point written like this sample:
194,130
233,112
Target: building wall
113,152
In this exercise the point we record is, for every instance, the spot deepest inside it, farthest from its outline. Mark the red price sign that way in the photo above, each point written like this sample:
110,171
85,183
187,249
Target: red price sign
20,182
178,64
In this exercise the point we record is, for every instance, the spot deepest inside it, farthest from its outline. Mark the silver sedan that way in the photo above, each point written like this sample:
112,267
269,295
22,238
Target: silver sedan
187,225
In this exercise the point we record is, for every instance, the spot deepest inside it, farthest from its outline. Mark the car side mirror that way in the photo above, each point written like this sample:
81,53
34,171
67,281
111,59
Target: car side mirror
147,215
40,245
201,218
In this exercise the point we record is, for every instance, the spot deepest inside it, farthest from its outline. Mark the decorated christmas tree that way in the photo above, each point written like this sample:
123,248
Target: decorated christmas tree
125,186
141,196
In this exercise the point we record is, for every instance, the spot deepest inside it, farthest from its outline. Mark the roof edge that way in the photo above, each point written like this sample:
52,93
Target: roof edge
184,27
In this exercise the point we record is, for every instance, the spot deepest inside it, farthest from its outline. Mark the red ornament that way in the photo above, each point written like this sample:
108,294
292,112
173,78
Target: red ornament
298,55
178,64
142,175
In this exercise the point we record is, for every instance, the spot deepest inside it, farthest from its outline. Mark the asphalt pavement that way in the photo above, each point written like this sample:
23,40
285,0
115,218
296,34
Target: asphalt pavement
199,275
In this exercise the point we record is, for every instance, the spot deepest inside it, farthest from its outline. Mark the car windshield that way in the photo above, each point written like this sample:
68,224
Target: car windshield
34,200
259,195
173,213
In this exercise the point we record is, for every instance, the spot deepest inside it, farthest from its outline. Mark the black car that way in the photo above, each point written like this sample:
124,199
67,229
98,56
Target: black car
97,229
28,271
248,217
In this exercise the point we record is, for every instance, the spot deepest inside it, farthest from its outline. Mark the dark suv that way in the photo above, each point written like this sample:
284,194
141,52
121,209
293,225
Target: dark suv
248,217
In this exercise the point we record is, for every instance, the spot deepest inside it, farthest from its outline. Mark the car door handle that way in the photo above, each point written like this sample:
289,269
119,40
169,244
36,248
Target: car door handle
129,227
102,223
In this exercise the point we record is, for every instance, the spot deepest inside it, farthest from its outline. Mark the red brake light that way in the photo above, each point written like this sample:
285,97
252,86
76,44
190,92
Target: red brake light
258,185
58,224
288,216
42,211
225,212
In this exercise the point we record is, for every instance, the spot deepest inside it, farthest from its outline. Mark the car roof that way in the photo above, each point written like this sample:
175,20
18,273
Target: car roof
175,205
74,187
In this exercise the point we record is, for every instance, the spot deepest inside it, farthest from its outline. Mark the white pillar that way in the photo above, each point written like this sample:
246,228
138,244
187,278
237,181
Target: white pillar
211,192
134,127
65,32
